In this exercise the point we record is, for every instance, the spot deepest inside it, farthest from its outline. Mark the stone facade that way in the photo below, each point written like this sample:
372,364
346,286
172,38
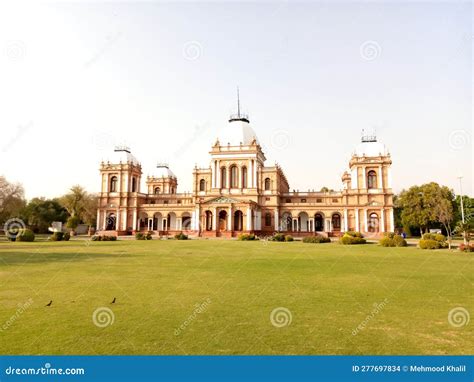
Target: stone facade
238,193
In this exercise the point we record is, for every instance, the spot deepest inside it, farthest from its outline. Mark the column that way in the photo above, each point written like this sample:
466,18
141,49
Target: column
134,219
227,177
382,220
255,174
391,221
345,221
277,221
218,175
117,220
380,178
179,224
364,181
97,224
357,228
249,219
366,223
214,219
229,220
214,174
311,224
239,174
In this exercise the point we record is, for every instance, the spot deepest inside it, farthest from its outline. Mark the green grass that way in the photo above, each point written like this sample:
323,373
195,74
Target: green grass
328,288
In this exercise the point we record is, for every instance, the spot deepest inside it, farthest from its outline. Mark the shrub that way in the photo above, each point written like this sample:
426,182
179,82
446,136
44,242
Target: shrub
73,222
96,238
393,241
66,236
289,238
56,236
25,234
389,235
348,239
143,236
246,237
354,234
181,236
316,239
433,241
109,238
466,247
278,237
429,244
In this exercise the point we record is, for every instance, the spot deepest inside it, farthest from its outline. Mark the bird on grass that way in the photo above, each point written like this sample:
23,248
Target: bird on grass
113,301
49,303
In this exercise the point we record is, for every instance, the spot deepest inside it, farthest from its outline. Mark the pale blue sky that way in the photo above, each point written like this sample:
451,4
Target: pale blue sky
77,78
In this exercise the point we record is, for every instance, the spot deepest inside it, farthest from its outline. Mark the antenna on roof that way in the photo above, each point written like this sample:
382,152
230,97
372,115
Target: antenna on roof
239,116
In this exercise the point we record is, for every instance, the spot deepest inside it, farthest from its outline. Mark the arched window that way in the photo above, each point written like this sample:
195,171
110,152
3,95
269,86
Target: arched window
371,179
234,177
244,177
223,177
113,184
336,222
373,222
267,184
172,190
268,219
202,185
157,190
134,184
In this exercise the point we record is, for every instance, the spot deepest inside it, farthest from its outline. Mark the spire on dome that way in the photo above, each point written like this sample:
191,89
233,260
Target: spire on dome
372,137
239,116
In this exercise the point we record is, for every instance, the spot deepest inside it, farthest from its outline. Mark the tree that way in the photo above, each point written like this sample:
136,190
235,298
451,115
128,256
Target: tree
465,230
41,212
420,205
326,189
444,214
12,199
81,204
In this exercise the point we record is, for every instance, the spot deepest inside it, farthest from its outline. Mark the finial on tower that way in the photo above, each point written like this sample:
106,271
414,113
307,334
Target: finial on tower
372,137
239,116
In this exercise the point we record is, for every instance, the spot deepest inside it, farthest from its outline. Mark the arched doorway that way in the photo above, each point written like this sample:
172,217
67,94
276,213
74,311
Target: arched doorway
336,222
222,220
186,221
171,222
208,221
158,221
238,220
286,222
111,222
319,222
373,222
303,222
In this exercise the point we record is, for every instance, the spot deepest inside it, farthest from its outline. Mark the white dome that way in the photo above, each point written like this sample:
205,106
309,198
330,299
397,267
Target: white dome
163,171
237,132
121,156
371,149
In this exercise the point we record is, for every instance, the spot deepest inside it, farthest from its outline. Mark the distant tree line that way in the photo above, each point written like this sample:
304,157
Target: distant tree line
73,208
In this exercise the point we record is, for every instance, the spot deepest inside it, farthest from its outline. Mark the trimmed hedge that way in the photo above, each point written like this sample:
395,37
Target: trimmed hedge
246,237
103,238
143,236
181,236
56,236
278,237
289,238
316,239
351,238
390,239
25,234
433,241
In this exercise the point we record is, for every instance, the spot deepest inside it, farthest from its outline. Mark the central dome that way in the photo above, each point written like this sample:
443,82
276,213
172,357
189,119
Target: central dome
237,132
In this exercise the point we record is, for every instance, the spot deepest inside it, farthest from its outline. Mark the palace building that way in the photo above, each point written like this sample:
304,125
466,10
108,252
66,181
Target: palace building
239,193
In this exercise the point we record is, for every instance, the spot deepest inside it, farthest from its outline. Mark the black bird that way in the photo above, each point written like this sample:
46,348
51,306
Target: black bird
113,301
49,303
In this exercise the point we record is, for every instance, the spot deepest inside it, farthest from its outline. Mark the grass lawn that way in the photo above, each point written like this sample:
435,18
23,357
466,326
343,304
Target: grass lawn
216,297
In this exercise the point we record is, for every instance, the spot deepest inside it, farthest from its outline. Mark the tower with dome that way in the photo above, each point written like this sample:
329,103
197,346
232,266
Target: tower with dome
238,193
